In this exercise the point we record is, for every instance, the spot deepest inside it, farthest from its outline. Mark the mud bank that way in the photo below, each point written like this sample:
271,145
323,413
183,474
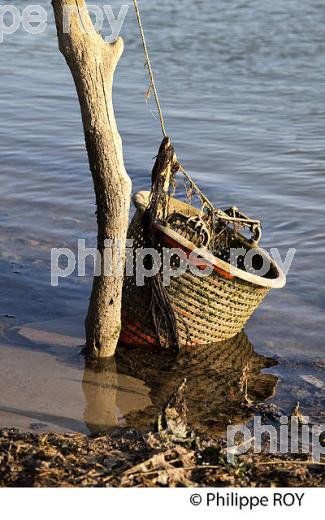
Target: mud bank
128,458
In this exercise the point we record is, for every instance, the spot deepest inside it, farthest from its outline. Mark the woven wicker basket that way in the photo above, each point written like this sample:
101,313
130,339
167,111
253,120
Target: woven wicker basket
207,309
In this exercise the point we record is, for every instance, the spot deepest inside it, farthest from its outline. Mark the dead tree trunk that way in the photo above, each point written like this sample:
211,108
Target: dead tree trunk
92,63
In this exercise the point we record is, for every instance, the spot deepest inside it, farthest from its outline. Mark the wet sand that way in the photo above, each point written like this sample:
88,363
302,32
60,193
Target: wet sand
42,387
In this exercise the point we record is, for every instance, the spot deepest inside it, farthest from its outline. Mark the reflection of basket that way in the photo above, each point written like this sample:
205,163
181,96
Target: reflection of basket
207,309
214,374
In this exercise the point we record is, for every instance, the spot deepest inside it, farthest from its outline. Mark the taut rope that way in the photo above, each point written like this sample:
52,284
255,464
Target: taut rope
154,89
150,71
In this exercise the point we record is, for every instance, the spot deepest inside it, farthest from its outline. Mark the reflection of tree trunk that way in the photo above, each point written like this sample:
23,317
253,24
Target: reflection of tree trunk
213,374
100,389
92,62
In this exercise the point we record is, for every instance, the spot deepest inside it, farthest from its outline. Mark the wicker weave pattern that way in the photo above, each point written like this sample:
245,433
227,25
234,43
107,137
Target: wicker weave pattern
208,309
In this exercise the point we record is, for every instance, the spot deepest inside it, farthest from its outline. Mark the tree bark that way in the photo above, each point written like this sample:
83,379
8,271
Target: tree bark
92,63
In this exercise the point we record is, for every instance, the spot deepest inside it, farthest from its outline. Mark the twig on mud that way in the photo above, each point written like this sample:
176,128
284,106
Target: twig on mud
290,462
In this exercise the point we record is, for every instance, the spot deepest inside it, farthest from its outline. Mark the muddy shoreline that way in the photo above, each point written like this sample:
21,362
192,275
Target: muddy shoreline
129,458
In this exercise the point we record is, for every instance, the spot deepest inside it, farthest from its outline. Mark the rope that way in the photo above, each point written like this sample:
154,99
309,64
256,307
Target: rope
241,220
154,88
150,71
217,211
203,198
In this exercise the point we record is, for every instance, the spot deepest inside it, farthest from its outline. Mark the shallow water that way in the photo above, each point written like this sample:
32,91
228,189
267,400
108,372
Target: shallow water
242,85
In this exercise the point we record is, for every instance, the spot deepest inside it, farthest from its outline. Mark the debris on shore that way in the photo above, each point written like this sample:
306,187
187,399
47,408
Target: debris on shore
171,455
129,458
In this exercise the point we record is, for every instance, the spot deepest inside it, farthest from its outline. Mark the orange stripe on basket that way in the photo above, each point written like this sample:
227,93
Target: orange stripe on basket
170,242
138,337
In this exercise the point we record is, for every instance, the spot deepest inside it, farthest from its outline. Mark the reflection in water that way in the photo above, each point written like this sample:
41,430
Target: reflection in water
214,374
99,385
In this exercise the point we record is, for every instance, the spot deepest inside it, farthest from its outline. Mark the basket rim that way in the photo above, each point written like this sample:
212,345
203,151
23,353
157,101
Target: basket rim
141,200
